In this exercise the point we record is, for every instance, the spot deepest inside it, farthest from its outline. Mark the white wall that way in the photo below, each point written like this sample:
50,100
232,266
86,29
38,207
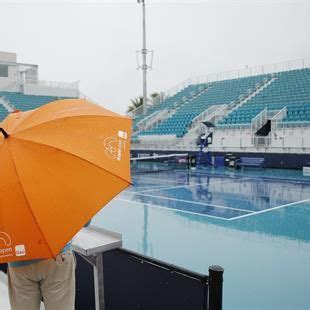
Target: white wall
291,137
232,138
9,83
8,57
285,140
35,89
27,81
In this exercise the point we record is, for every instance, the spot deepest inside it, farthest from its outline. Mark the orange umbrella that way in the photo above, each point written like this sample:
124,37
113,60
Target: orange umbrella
59,165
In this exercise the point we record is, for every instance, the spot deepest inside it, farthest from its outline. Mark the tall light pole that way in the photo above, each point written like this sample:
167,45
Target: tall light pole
144,52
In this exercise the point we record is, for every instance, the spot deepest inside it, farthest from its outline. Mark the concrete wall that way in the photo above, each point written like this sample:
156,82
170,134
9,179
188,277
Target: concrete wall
8,57
40,90
232,138
9,83
284,140
291,137
24,78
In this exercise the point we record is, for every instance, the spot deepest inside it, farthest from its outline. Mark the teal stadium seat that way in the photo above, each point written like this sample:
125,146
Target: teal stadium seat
291,89
24,102
221,92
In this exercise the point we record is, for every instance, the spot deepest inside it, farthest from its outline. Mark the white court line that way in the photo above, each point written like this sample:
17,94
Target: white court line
192,202
193,185
160,156
281,180
171,209
268,210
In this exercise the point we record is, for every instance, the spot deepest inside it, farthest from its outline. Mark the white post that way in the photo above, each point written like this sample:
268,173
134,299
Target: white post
144,52
98,282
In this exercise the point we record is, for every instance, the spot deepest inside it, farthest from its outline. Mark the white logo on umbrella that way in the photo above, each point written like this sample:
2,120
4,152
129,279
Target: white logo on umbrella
20,249
114,146
6,240
110,147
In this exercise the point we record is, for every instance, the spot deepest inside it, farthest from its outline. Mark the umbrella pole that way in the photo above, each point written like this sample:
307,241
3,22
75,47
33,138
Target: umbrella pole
5,134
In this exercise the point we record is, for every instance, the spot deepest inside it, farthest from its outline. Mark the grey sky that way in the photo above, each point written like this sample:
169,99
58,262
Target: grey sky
95,41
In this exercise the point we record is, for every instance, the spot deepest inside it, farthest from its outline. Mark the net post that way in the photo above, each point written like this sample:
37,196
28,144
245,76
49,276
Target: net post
160,163
188,161
215,287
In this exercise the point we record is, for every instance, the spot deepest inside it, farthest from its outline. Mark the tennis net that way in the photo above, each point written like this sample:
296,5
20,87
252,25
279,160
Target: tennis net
159,163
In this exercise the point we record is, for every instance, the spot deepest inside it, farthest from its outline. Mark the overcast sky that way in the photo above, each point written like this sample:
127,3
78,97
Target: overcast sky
95,42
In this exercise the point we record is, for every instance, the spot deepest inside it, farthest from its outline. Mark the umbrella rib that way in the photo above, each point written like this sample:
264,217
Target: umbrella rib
29,206
72,154
13,126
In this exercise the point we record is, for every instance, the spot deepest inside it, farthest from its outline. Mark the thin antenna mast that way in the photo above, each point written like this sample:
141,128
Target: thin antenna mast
144,53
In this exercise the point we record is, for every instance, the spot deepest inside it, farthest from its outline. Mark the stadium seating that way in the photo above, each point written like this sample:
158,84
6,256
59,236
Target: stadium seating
3,112
23,102
290,89
171,102
221,92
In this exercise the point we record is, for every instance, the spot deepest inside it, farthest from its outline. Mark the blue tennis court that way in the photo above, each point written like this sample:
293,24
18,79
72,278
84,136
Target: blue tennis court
255,223
226,197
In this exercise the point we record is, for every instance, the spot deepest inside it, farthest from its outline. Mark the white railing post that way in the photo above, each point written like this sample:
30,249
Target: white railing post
275,121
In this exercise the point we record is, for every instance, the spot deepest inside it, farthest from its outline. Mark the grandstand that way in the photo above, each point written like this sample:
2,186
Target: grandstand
262,114
20,88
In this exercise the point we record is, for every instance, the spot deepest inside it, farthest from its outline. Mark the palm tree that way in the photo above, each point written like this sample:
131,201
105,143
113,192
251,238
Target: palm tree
135,103
138,102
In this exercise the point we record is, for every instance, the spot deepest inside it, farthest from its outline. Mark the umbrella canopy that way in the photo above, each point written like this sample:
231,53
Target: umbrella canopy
59,165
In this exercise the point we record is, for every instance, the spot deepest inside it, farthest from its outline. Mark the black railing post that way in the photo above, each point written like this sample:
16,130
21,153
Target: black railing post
215,287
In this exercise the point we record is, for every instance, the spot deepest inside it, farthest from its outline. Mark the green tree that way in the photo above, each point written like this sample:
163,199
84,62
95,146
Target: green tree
138,101
135,103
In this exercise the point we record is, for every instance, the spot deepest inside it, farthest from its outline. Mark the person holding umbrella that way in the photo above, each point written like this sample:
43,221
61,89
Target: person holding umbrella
50,280
59,165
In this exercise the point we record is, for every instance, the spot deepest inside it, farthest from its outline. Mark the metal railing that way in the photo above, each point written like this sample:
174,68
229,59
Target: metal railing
205,114
196,128
134,281
176,146
242,72
9,86
300,124
233,126
277,118
145,119
258,141
7,104
55,84
259,120
237,73
113,278
153,120
271,113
